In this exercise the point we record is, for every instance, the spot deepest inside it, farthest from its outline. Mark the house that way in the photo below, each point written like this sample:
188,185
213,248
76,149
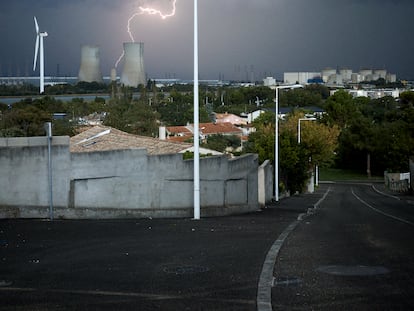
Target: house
104,138
251,116
185,133
230,118
310,111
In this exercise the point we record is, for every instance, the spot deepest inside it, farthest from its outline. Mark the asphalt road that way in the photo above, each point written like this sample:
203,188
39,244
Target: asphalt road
355,253
145,264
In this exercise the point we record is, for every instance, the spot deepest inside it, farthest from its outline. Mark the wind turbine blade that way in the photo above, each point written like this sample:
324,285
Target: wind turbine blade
36,25
36,51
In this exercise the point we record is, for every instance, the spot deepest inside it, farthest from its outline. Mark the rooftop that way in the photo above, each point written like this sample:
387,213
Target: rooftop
103,138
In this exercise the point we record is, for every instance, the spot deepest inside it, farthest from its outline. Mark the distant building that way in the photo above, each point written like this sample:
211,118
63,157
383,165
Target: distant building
310,111
230,118
185,133
269,81
373,93
300,77
331,76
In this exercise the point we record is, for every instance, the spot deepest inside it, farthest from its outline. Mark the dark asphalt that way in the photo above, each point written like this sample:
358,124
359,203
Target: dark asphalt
142,264
355,253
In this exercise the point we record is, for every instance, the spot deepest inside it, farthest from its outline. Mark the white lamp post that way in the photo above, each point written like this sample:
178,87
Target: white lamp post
196,120
277,135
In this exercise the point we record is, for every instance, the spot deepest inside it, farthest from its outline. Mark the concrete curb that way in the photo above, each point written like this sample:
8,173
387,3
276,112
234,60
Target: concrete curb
312,210
266,280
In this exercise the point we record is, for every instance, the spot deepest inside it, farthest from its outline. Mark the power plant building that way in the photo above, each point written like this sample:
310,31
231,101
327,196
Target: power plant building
133,73
89,70
300,77
338,77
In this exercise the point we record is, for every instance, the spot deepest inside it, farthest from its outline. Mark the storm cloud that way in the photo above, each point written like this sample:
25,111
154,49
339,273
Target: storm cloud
267,37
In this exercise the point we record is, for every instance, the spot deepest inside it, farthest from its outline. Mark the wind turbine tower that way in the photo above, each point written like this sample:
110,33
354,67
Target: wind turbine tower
39,40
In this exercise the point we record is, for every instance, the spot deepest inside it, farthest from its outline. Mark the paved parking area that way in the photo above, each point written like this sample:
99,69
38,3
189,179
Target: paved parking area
145,264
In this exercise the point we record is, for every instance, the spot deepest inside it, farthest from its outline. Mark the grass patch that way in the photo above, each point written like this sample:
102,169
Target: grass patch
334,174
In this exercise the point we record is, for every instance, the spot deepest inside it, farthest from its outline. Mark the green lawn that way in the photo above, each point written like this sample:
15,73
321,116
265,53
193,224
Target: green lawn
333,174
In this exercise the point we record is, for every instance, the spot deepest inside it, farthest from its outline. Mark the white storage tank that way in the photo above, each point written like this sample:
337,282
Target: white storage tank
366,74
346,74
391,78
327,73
382,73
355,78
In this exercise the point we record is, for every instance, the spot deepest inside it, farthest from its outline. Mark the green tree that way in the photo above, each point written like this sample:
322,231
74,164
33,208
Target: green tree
295,160
135,117
376,134
221,142
340,109
25,121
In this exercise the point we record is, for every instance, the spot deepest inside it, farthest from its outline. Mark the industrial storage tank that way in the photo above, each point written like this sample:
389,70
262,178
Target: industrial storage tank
346,74
391,78
382,73
355,78
366,74
335,79
375,77
327,73
133,73
89,70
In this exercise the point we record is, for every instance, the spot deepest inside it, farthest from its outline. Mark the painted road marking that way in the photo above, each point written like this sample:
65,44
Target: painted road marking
381,212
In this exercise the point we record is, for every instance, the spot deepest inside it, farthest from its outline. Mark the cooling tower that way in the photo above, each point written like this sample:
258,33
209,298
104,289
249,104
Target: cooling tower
133,73
89,70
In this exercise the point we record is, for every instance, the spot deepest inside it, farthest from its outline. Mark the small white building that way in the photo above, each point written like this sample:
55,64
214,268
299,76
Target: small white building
269,81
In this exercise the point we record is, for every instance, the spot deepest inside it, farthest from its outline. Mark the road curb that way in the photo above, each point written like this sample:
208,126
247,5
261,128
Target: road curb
266,280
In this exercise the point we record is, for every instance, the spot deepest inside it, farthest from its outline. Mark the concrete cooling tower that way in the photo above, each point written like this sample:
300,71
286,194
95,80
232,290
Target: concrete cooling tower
133,73
89,70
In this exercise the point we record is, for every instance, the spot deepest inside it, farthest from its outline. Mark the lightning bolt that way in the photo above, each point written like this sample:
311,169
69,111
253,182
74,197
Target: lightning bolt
149,11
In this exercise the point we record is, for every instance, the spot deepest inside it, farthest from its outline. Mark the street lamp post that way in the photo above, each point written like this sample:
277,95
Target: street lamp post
196,120
276,164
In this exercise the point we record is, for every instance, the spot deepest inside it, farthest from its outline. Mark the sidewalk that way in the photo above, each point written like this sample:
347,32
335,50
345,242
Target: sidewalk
300,203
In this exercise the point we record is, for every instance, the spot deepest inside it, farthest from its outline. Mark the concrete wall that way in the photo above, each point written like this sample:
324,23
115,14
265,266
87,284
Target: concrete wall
120,183
265,183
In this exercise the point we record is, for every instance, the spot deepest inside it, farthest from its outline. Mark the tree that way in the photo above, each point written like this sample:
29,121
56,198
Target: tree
319,142
221,142
340,109
131,116
25,121
376,134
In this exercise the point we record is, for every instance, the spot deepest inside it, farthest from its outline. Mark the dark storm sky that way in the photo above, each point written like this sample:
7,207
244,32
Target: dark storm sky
267,36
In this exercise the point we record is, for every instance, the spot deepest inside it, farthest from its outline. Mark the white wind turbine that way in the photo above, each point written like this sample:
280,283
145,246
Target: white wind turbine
39,38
